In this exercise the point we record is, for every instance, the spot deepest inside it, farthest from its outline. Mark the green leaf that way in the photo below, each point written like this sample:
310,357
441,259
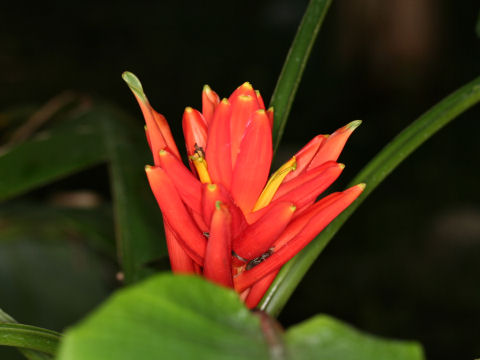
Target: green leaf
325,338
28,353
170,317
292,71
51,155
185,317
29,337
138,221
372,174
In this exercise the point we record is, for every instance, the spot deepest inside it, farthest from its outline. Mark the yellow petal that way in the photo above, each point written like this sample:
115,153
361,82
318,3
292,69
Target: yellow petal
274,182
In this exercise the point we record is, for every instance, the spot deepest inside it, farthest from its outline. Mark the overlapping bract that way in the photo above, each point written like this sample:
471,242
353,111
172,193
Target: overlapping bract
224,217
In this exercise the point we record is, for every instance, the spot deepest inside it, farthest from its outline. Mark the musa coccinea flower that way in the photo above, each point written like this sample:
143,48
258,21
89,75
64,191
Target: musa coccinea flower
225,218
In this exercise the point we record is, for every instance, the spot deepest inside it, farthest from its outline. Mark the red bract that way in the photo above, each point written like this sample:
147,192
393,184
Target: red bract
224,217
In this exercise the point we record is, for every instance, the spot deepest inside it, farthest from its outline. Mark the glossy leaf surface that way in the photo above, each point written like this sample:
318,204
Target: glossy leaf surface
181,317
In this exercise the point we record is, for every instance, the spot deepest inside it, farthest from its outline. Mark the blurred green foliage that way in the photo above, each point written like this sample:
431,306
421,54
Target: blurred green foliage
58,255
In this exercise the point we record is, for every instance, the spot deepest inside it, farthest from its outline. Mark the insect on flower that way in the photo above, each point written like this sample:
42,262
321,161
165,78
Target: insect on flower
225,217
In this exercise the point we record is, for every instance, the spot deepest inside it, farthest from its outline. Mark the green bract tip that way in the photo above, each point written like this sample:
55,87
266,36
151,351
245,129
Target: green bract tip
218,204
134,84
354,124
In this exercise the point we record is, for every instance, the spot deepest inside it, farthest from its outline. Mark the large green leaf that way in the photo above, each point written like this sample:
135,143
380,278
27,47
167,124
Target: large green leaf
168,317
180,317
325,338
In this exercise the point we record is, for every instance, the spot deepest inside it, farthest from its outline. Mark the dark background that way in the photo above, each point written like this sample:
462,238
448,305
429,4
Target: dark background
405,266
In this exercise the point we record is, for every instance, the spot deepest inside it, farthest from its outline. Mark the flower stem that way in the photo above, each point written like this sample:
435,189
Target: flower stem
372,174
294,65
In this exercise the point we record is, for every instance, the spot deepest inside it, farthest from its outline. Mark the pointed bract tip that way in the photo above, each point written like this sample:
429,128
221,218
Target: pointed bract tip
188,109
148,167
211,187
341,166
292,208
218,205
247,85
225,101
134,84
270,109
353,125
162,152
206,88
362,186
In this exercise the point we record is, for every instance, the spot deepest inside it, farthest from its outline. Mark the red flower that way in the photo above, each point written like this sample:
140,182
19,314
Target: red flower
225,218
